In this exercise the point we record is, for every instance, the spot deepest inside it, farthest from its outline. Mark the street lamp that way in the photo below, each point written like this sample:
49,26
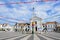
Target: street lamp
32,27
33,21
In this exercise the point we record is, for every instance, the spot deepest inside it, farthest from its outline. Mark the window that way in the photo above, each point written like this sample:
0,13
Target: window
35,22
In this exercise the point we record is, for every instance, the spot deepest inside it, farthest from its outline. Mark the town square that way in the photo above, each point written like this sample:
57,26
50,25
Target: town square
29,20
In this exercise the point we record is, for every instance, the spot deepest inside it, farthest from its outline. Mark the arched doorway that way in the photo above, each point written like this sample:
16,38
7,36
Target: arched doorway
35,25
36,28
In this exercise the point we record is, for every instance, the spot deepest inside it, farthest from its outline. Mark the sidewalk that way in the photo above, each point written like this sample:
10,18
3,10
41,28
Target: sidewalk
9,34
51,34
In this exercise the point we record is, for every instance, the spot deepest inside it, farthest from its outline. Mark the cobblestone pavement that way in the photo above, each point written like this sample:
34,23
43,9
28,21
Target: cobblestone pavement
19,36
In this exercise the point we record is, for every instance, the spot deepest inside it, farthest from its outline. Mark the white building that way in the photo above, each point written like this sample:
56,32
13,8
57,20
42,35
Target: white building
51,26
58,27
0,25
6,27
21,26
37,24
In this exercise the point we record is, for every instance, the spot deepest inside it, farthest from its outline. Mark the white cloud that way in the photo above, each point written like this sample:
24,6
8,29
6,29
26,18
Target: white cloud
22,10
40,10
3,8
41,14
57,8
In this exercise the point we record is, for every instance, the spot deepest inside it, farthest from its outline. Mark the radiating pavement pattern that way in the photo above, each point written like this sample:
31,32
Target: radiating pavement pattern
19,36
30,37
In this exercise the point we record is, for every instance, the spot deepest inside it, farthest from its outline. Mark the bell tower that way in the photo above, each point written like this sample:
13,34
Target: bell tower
33,14
36,22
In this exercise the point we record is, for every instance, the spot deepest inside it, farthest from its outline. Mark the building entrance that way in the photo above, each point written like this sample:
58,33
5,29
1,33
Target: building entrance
35,28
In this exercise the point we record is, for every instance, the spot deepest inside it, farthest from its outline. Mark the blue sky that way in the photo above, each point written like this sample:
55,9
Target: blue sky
48,11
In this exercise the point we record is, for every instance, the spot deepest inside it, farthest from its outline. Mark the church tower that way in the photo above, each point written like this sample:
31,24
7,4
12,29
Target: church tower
33,13
36,21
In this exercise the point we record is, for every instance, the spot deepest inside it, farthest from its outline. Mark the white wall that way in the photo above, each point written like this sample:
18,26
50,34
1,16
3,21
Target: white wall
0,26
39,26
50,27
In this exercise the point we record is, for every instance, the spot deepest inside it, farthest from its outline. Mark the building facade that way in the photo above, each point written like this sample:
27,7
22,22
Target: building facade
58,27
6,27
51,26
22,27
37,22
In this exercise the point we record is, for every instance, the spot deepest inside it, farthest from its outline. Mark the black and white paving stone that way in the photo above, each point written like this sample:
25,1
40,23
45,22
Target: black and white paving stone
18,36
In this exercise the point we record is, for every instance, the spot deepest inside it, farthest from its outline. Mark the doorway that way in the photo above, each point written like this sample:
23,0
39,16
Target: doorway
36,28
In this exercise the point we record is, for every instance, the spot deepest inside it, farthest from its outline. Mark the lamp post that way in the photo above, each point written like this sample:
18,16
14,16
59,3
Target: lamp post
32,27
33,21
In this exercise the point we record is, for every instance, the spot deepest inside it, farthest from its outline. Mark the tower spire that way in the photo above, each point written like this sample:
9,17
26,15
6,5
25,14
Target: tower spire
33,14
